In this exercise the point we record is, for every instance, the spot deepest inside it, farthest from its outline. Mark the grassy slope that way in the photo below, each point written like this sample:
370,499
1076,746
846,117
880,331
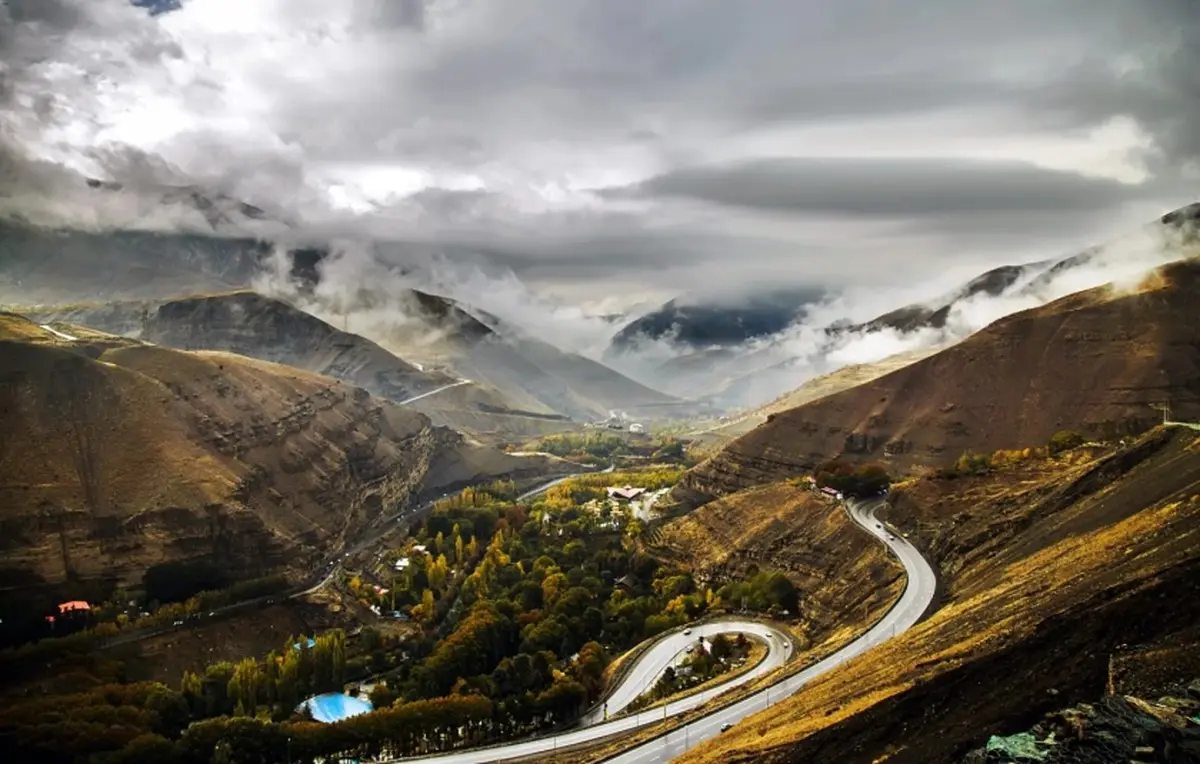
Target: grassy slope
845,578
1049,571
814,389
118,456
1095,361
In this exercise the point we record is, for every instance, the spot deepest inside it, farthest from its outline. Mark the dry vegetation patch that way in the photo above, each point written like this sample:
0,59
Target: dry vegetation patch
1080,564
846,578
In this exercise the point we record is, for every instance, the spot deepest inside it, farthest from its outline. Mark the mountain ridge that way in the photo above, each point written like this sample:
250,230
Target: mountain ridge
1095,361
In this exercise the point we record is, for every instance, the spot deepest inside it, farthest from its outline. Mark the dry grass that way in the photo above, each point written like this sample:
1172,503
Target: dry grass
844,576
754,656
819,387
118,456
1084,566
1096,361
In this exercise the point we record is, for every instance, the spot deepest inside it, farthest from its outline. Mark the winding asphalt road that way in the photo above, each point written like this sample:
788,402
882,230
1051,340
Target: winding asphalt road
918,594
443,388
668,650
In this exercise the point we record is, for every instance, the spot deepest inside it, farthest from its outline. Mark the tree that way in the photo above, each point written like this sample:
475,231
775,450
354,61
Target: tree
1065,440
382,696
244,686
722,647
439,571
864,480
424,611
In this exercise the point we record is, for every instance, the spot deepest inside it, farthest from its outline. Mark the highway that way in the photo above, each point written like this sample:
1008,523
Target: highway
441,389
667,651
918,594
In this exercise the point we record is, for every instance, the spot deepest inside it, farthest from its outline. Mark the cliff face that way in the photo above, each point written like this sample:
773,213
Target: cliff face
1097,361
118,456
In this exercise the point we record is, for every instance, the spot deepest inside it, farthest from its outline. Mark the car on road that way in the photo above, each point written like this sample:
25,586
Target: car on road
177,623
687,631
725,727
891,537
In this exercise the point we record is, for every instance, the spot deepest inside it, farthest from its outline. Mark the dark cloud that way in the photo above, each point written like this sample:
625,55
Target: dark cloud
535,104
1151,73
889,188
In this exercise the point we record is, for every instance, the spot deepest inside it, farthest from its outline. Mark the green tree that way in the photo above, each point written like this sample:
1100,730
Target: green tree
244,686
1065,440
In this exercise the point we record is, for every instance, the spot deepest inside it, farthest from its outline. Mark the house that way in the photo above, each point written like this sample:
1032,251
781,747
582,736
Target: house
74,606
628,493
832,493
402,563
626,581
636,428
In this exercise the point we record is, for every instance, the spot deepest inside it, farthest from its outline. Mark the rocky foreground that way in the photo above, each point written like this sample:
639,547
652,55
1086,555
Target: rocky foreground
1116,730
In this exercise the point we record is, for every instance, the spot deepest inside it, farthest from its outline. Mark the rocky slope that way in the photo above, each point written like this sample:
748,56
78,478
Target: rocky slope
255,325
814,389
1097,361
118,456
845,577
438,331
1051,571
1118,729
41,265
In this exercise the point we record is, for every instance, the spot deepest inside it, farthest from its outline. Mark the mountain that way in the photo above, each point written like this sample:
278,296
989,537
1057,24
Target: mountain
438,331
933,315
814,389
1029,279
1060,580
699,324
756,372
119,456
51,269
52,266
255,325
1097,361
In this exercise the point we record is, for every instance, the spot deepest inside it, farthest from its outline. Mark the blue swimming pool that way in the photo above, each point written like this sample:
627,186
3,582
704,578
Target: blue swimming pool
334,706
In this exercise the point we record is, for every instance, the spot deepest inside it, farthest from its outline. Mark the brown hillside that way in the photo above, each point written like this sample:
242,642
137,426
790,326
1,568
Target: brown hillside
1050,569
843,575
1096,361
255,325
114,461
814,389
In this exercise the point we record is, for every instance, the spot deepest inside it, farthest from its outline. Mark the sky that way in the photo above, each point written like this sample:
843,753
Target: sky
606,154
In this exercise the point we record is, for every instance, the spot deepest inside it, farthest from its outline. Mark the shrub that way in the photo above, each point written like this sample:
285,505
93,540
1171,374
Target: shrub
1065,440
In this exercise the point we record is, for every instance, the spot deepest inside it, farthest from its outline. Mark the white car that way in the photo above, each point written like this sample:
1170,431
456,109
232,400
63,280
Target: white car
687,631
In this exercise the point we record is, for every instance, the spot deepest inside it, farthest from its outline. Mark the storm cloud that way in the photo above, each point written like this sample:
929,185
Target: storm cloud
624,148
890,188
